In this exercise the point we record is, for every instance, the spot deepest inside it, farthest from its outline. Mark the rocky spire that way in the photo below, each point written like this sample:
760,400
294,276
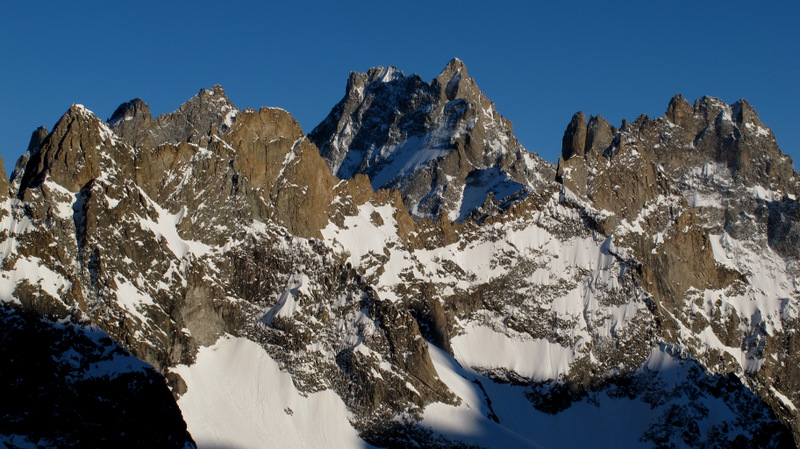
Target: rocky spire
599,135
574,140
37,139
454,81
679,110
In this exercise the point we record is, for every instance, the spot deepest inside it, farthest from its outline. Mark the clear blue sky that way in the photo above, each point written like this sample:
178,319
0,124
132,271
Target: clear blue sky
538,61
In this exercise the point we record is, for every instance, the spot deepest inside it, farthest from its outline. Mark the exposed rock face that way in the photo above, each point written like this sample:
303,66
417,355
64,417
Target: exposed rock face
4,184
199,117
655,271
574,140
695,194
75,152
441,144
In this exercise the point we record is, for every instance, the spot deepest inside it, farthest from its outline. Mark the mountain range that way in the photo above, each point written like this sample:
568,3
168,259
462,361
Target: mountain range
404,275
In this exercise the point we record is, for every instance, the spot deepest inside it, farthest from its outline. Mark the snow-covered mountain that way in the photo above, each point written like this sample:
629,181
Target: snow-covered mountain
407,275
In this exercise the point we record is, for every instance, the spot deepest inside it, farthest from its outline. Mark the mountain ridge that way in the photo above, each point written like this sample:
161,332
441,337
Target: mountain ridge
219,227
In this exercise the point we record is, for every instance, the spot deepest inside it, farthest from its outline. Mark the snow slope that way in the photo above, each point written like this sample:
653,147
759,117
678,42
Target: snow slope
238,398
498,415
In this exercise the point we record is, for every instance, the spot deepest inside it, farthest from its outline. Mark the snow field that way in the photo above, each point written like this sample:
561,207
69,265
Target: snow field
238,398
604,421
537,359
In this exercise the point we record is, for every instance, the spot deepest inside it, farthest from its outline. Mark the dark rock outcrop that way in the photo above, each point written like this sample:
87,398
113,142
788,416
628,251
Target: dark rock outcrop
574,140
66,385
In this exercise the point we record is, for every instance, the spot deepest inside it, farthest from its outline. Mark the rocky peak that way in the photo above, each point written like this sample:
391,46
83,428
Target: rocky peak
709,108
358,81
574,140
207,106
384,75
581,137
277,160
679,110
37,138
688,137
730,135
453,68
454,81
135,110
441,144
204,114
599,134
131,119
74,152
743,113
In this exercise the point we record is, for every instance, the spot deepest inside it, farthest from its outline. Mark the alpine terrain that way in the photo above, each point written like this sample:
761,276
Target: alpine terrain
405,275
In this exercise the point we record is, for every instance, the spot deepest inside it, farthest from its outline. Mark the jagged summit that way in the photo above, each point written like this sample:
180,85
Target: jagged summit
687,136
454,69
441,144
209,110
384,74
720,158
73,153
455,82
135,109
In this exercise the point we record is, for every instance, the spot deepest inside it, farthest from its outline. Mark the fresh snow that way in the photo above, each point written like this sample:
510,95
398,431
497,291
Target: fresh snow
239,398
166,227
403,158
478,186
361,238
360,235
770,284
536,359
287,304
131,298
602,422
37,274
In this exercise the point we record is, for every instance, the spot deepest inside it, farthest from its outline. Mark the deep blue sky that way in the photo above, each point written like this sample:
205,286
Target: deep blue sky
539,62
